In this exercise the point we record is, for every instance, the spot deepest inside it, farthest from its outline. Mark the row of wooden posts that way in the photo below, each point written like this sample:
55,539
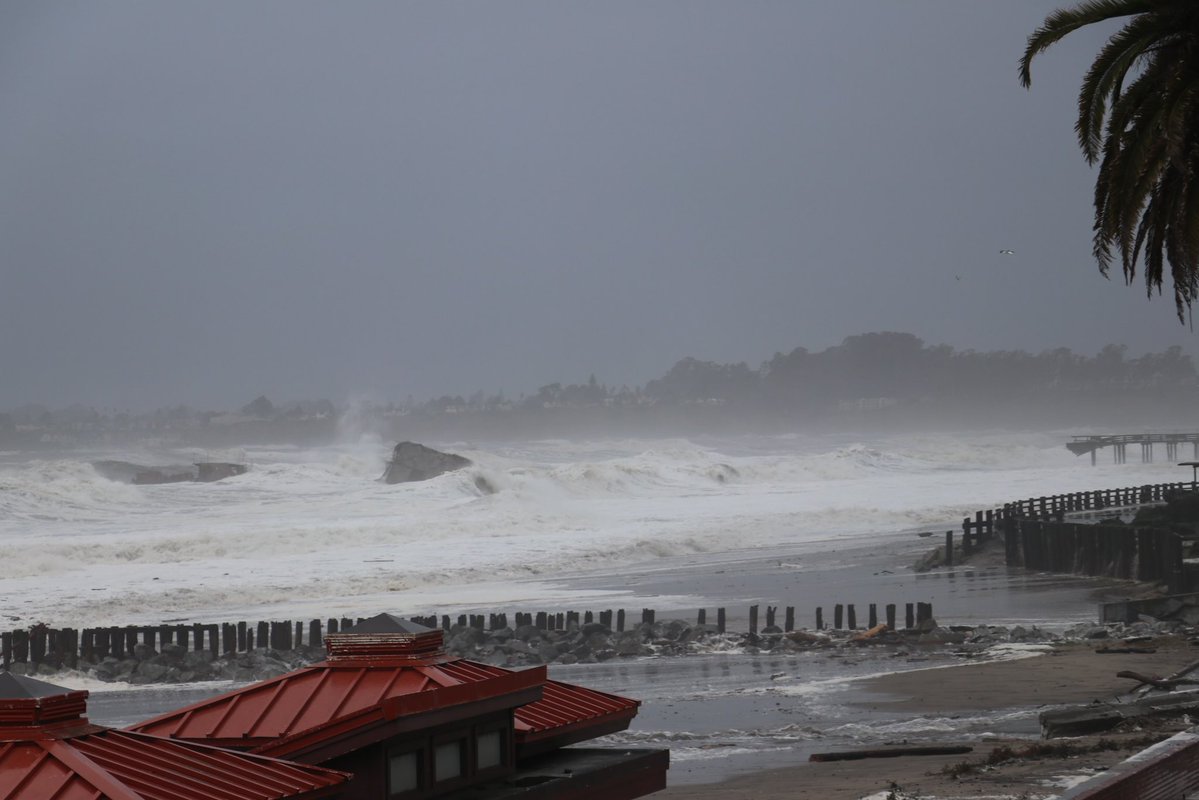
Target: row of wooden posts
1036,536
69,646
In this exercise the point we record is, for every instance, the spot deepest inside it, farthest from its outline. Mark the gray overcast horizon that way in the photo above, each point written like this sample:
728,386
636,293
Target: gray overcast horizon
204,202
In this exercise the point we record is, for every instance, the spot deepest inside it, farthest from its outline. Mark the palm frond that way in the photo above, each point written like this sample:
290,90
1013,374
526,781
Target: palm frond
1106,77
1065,21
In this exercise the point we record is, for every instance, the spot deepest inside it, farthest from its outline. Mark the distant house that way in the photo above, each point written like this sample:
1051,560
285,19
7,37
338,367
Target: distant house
411,722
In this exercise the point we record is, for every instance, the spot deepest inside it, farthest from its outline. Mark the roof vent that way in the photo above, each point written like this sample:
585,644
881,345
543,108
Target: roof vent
385,637
25,702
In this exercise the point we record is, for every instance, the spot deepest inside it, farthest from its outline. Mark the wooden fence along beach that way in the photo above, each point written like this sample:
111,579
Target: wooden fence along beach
68,647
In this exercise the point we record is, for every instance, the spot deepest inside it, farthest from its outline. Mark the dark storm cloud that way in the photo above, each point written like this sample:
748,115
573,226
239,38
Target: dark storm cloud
200,202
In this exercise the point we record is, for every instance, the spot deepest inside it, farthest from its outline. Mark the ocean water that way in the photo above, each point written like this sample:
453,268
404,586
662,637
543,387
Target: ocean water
669,524
312,533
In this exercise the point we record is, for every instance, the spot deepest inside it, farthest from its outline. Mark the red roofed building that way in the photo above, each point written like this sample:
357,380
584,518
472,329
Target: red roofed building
49,751
411,722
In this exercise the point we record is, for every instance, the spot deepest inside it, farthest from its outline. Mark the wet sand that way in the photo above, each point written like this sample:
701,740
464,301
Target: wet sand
859,570
1069,674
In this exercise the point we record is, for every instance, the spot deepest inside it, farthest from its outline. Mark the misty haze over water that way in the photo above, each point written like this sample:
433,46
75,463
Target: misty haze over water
204,203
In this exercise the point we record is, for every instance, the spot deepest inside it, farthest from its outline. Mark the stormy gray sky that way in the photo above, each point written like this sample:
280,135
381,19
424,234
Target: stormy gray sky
205,201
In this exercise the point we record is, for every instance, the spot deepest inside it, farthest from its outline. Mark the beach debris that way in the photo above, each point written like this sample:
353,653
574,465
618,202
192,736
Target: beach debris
1158,683
1080,720
1125,650
893,752
1177,678
872,633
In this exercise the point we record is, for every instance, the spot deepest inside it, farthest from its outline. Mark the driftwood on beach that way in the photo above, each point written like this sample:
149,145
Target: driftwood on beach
892,752
1102,717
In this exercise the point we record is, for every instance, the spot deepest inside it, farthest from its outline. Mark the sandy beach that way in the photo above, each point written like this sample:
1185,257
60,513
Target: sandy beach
1069,674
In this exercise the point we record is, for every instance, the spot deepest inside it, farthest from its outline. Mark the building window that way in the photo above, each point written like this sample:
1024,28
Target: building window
489,749
403,772
448,760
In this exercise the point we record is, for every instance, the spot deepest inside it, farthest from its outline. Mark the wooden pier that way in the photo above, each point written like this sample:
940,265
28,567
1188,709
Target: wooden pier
1081,445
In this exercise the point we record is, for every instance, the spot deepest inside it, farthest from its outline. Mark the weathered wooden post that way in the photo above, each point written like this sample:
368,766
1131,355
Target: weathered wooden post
909,616
606,618
620,620
130,639
647,616
701,617
116,640
819,618
770,614
966,536
70,646
873,617
264,635
5,649
891,616
542,622
720,620
789,624
37,645
249,640
53,647
949,548
314,633
102,644
852,618
753,620
838,614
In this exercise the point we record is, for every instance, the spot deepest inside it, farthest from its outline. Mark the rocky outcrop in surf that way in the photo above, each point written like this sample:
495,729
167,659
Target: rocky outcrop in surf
204,472
415,462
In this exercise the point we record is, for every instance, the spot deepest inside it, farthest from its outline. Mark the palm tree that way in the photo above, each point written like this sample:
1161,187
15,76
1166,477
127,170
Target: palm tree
1138,116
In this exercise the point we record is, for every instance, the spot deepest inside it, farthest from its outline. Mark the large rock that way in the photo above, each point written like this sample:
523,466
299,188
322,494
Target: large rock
415,462
205,472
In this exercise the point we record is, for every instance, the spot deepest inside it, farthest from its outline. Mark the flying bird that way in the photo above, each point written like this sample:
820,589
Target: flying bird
1007,252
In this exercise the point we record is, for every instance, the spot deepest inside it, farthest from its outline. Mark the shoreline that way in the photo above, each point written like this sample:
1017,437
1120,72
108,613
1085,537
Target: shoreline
1068,674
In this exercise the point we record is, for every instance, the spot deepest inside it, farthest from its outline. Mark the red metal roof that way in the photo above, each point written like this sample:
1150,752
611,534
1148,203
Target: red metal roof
390,669
564,704
322,694
117,765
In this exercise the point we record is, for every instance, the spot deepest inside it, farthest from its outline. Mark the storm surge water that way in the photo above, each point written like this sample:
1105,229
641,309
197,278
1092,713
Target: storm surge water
312,533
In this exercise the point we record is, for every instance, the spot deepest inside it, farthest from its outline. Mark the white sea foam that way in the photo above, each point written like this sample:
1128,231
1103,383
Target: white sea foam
312,529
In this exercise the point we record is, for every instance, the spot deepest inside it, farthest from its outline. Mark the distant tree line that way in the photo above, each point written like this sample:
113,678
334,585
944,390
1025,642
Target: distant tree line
866,372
